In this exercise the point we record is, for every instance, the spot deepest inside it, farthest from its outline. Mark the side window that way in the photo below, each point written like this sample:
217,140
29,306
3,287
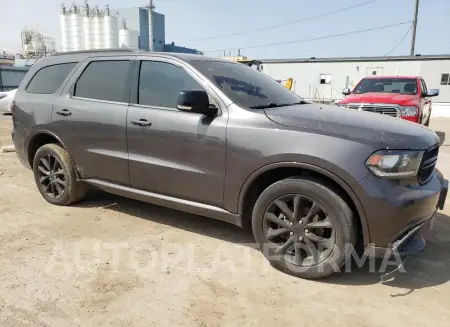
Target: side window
160,83
424,86
50,78
104,80
445,79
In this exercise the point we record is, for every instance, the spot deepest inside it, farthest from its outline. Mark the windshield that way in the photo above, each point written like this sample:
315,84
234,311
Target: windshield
245,86
387,85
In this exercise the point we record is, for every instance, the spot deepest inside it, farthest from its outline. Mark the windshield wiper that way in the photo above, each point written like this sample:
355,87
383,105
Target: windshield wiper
276,105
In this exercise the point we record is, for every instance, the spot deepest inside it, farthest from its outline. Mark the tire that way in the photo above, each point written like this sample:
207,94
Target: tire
338,216
61,173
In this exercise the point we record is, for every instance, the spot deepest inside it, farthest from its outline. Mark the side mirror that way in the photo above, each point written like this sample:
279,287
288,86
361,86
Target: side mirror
195,101
346,91
432,93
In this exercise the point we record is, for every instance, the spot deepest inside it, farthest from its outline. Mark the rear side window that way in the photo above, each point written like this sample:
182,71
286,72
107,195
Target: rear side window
160,84
50,78
104,80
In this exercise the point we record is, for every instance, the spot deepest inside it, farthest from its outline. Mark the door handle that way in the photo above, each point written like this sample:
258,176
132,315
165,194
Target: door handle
141,122
64,112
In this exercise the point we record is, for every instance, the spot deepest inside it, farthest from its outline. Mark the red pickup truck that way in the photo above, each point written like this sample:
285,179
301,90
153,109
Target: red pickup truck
404,97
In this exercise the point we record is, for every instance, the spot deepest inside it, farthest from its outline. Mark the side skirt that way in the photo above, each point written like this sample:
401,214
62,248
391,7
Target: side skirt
168,201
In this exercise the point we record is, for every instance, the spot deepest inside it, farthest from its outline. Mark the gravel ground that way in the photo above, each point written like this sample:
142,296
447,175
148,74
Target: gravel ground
110,261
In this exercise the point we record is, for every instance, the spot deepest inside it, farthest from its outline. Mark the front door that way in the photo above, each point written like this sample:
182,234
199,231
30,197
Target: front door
91,116
174,153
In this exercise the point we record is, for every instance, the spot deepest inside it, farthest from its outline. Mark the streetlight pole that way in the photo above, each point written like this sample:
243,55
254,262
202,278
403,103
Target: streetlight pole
413,40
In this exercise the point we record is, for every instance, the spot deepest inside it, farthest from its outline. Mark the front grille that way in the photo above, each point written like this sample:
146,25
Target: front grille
384,110
428,163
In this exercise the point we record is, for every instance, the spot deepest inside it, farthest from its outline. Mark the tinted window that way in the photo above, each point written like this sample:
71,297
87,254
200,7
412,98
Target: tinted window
387,85
445,79
49,79
12,78
160,83
104,80
244,85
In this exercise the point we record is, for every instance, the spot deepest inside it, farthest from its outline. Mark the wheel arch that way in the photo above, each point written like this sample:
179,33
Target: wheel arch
269,174
38,139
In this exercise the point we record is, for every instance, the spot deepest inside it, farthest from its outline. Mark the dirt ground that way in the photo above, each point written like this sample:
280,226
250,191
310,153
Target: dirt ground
110,261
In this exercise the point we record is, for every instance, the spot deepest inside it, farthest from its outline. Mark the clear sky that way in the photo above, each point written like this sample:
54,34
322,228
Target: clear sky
188,20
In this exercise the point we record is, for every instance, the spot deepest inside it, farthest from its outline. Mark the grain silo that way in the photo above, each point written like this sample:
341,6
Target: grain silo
128,38
85,28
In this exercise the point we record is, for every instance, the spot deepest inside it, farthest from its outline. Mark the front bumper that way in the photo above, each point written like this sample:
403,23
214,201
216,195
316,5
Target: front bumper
399,216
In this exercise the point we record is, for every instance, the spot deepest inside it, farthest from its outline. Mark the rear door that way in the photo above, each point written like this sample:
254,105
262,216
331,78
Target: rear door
174,153
90,118
425,101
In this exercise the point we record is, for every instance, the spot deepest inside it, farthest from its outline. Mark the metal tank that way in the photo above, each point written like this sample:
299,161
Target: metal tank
87,28
128,38
97,29
77,29
66,31
111,28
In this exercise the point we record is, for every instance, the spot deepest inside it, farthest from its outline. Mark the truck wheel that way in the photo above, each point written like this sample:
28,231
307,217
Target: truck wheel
304,227
55,176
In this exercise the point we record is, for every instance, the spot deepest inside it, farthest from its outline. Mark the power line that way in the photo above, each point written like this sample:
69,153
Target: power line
285,24
400,41
313,39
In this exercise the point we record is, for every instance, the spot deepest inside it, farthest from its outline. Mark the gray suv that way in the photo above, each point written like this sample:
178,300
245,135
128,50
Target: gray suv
220,139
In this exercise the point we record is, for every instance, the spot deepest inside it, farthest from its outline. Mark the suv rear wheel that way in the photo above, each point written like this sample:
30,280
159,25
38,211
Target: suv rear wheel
304,227
55,176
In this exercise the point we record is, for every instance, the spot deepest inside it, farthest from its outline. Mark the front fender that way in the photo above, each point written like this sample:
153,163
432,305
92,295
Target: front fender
350,186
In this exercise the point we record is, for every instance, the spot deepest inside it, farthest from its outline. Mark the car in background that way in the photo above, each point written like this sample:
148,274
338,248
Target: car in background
6,99
403,97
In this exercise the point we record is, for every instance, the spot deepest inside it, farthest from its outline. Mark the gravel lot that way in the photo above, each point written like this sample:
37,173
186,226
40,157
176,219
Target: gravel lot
110,261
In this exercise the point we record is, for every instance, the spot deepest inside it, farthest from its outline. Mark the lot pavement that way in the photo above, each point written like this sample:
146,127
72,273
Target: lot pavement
110,261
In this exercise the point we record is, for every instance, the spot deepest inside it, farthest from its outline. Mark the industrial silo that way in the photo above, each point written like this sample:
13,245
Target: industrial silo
77,29
111,28
66,31
128,38
88,28
97,29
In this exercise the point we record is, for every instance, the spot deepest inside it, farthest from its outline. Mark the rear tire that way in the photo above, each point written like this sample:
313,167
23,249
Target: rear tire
314,219
55,176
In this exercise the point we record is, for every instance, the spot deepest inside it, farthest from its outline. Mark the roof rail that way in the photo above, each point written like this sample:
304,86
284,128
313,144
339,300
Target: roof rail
95,51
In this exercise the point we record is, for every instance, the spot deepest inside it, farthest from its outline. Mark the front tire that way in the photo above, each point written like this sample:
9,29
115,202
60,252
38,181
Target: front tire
54,173
304,227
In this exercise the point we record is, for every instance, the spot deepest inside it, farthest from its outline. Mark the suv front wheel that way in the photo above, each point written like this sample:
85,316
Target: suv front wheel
304,227
55,176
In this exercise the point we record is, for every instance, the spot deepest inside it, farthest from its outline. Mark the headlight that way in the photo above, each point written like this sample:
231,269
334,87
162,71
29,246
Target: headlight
408,111
392,164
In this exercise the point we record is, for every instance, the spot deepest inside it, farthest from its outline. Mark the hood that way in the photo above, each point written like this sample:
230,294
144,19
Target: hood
383,132
388,98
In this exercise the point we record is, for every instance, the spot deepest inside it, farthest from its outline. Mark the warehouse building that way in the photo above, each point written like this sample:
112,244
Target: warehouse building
323,79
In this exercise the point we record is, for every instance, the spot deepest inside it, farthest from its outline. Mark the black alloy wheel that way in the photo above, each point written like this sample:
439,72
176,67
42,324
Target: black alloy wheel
52,179
301,230
55,176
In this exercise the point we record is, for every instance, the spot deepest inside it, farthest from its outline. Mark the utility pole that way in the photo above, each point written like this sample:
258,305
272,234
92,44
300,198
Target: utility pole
413,40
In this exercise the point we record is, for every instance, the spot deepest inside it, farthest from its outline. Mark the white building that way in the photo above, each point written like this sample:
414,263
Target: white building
325,78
